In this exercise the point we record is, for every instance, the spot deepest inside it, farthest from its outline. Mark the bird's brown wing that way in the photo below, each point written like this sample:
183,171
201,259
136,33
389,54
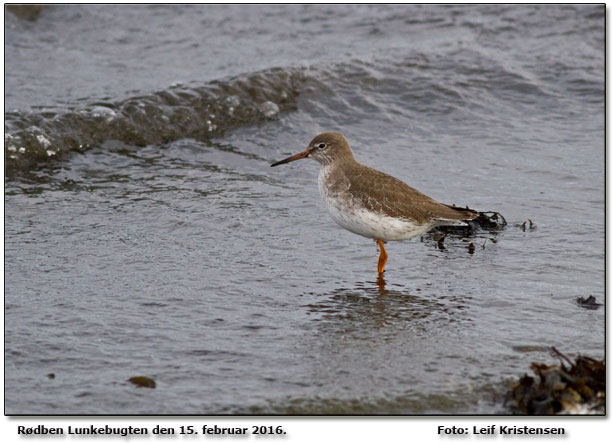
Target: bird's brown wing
383,193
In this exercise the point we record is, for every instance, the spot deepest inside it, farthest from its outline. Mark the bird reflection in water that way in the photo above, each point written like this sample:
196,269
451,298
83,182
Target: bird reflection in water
383,306
381,283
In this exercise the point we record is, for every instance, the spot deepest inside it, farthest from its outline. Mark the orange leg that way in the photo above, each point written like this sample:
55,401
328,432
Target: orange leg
382,260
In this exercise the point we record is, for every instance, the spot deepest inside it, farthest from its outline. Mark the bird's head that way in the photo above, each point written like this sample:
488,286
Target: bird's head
325,148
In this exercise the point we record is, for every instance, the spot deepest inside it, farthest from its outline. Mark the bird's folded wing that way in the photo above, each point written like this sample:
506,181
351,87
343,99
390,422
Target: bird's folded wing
384,193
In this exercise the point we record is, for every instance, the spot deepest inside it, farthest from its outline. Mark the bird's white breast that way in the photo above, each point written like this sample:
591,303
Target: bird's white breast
354,217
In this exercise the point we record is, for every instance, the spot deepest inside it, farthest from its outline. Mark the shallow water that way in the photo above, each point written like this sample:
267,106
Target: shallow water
146,234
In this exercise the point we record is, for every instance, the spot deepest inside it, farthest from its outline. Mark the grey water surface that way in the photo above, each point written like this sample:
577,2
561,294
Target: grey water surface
146,234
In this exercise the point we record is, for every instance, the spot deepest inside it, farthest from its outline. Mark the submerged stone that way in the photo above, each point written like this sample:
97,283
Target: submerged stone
142,381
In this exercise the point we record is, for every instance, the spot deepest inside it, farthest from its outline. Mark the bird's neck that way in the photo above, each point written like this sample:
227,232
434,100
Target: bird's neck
334,173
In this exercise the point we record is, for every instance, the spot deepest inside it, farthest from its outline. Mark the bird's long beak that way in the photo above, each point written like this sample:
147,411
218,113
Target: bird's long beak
304,154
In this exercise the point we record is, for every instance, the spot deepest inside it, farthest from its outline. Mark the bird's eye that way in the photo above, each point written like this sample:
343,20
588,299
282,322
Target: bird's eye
321,146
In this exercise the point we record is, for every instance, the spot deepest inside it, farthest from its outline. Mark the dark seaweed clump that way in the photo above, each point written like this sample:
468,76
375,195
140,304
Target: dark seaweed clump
588,303
579,388
491,221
